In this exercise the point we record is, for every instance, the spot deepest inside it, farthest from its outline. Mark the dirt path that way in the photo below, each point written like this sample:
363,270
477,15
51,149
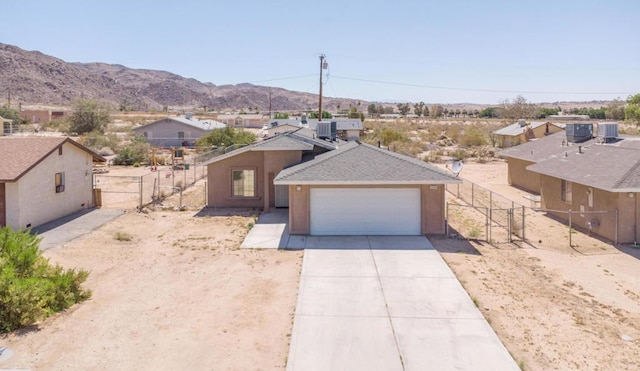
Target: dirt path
179,295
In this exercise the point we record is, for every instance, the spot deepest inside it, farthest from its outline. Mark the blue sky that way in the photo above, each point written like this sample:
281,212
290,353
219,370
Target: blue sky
480,51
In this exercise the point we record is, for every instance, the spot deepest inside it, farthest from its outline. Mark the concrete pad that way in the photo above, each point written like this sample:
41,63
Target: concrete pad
400,243
269,232
346,263
338,242
428,298
296,242
451,344
341,296
68,228
342,343
411,263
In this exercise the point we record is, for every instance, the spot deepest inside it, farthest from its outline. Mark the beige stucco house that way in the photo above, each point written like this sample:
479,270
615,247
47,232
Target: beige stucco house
595,178
254,121
522,132
176,131
43,179
332,188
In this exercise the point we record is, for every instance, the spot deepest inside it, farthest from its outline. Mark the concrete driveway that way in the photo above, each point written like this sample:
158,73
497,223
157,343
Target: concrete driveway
387,303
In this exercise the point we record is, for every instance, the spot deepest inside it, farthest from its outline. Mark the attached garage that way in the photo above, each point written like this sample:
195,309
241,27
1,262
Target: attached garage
365,211
359,189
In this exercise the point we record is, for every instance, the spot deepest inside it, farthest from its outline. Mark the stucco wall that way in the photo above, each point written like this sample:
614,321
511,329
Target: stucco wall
219,184
32,200
602,201
432,208
164,133
519,176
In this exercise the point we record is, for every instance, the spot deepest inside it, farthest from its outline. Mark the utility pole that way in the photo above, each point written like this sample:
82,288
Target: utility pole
270,115
323,66
9,97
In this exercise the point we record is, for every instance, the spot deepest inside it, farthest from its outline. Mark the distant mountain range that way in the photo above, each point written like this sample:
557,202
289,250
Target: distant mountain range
34,78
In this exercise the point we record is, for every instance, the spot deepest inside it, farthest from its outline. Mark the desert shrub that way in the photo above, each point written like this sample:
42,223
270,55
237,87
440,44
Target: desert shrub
473,137
97,141
30,287
459,154
123,236
137,151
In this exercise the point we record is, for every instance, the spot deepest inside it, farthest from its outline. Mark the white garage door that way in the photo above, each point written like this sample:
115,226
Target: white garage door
365,211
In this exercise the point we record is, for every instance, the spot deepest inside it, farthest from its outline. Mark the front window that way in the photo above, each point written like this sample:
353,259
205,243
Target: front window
59,179
181,135
244,183
566,191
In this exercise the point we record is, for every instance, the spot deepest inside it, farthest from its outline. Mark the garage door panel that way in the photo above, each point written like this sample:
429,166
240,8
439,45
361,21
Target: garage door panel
361,211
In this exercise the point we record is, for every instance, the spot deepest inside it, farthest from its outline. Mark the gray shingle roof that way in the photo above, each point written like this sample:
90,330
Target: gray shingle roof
359,163
544,148
283,142
611,168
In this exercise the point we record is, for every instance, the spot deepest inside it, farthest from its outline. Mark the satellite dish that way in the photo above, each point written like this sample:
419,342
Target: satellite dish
456,167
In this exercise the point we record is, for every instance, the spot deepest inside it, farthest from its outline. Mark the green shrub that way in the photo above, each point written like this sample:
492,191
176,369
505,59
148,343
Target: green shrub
30,287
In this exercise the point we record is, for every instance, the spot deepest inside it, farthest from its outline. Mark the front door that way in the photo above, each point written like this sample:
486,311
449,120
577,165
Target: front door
3,206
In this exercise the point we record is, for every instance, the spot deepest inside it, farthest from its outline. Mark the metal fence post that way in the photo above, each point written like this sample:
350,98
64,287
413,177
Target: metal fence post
523,223
140,208
446,220
510,224
570,245
616,241
486,225
472,194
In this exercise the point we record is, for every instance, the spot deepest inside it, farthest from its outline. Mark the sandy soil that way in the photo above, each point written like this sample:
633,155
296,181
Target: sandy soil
554,307
180,295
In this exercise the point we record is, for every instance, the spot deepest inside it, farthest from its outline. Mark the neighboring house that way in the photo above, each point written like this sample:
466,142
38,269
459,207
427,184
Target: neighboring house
242,120
347,129
41,116
522,132
7,126
598,174
276,128
43,179
332,188
176,131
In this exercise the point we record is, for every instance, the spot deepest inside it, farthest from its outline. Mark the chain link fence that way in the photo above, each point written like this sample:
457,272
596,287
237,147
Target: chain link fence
138,191
476,212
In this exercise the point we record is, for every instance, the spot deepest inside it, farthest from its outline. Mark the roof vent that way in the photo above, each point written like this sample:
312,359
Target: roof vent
578,133
522,122
188,115
608,132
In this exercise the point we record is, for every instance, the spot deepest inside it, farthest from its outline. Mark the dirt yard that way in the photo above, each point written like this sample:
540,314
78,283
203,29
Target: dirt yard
554,307
180,295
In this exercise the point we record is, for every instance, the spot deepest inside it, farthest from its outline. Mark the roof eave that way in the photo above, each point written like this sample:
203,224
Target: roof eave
365,182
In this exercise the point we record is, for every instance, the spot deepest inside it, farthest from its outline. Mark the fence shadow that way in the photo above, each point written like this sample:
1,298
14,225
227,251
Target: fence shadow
460,245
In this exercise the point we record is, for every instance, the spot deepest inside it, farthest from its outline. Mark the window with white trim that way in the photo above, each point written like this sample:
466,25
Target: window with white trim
244,183
59,180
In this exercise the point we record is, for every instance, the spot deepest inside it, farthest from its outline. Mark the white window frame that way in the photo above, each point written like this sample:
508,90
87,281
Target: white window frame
566,191
59,182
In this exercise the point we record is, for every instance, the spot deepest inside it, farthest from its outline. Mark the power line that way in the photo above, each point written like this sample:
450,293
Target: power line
282,78
476,90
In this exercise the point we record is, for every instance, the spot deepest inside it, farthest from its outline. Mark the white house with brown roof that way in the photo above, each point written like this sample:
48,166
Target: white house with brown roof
242,120
43,179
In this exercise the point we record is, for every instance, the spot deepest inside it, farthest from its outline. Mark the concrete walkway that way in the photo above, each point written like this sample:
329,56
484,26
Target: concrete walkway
386,303
63,230
269,232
